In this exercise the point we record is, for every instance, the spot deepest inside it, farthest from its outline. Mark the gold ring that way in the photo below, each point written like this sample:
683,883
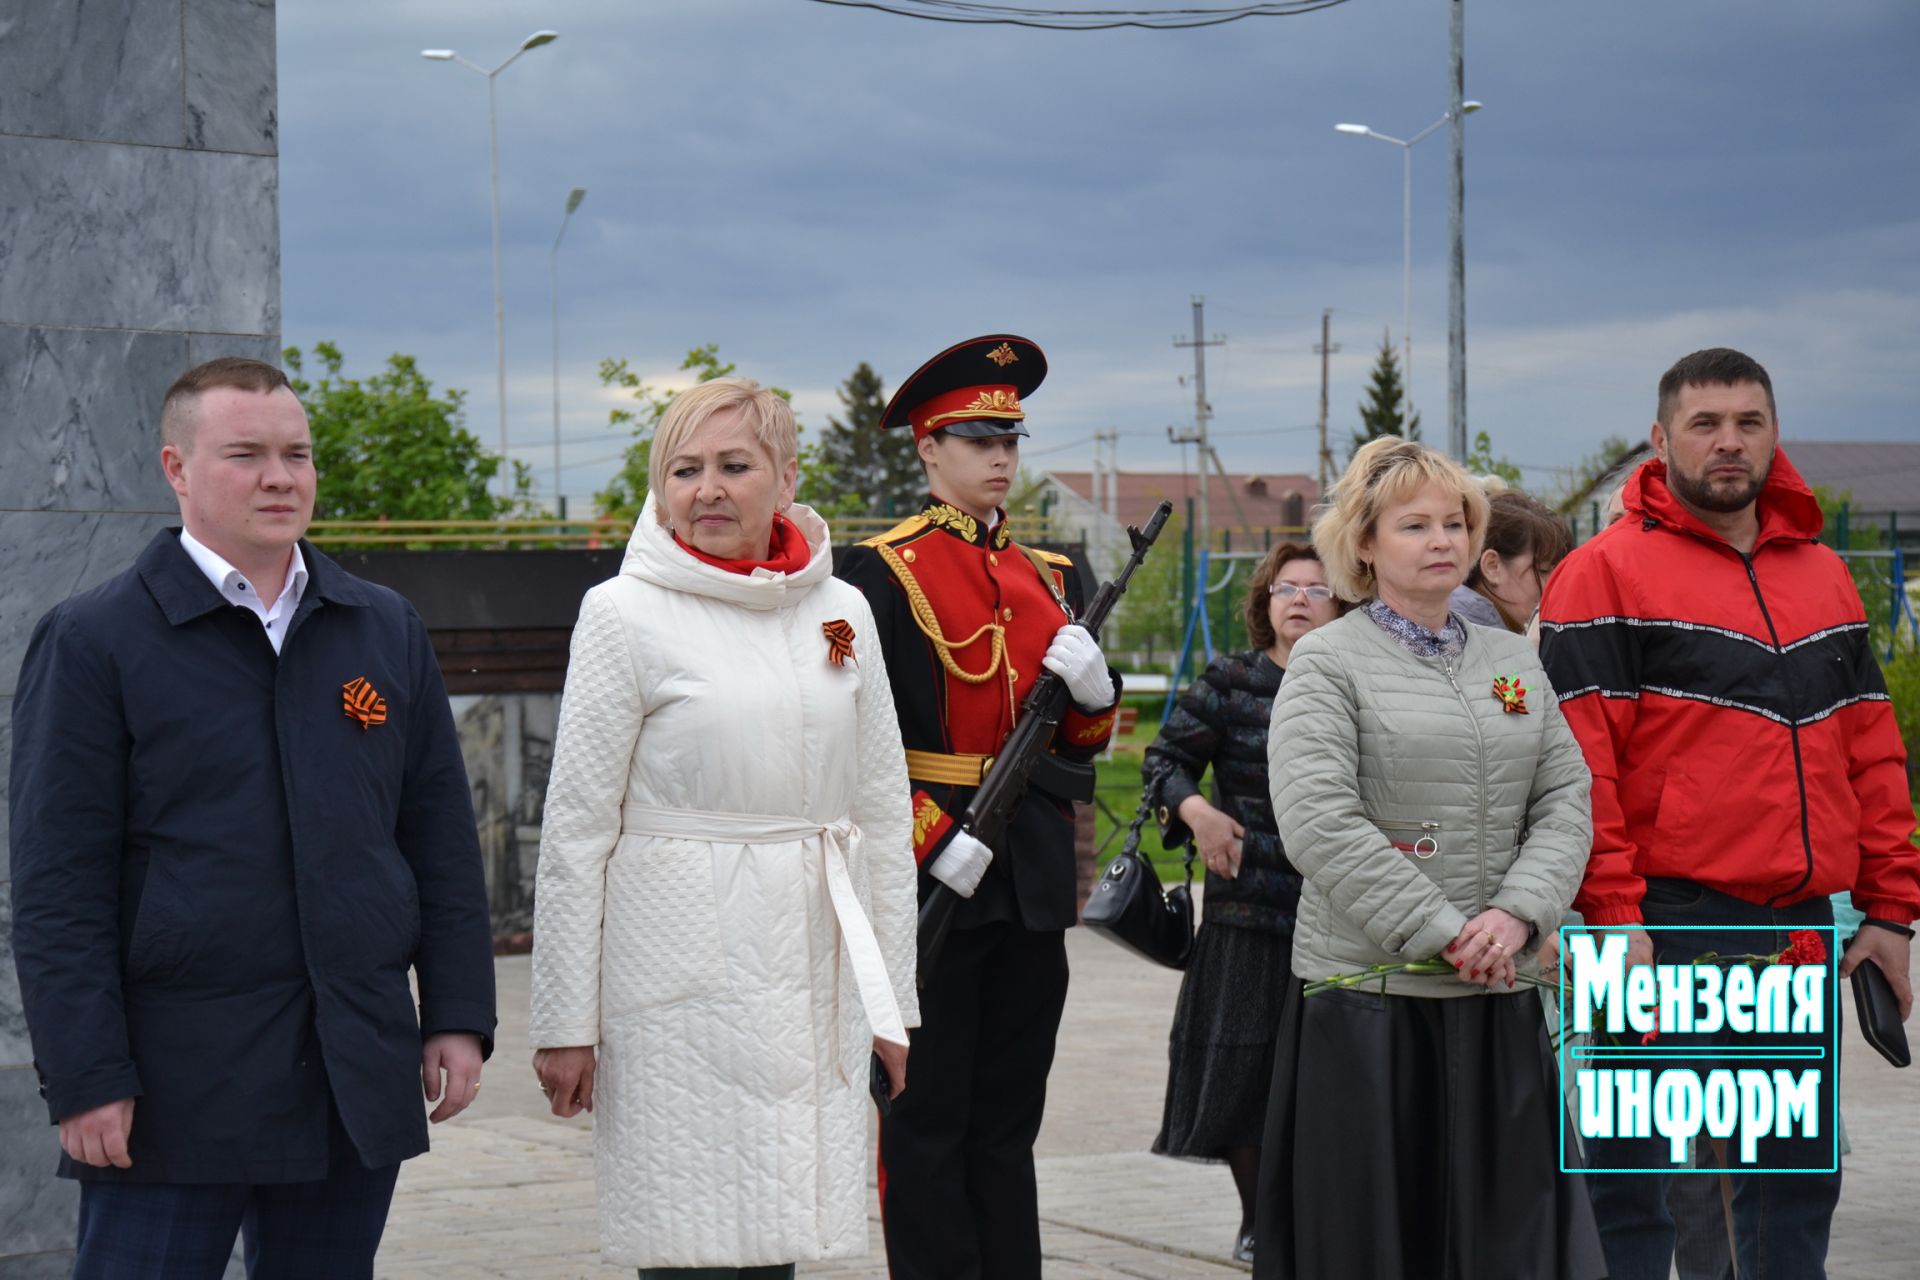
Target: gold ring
1496,942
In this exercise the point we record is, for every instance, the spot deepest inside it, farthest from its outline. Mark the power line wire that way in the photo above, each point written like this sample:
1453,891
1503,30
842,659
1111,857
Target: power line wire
974,14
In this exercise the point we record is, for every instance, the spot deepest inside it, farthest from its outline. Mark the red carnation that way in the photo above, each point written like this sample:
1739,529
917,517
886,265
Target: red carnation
1804,946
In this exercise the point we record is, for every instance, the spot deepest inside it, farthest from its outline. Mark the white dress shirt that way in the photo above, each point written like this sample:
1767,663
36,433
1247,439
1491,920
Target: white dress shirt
234,586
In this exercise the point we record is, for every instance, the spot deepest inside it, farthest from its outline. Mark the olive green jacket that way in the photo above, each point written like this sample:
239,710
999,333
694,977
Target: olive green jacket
1412,798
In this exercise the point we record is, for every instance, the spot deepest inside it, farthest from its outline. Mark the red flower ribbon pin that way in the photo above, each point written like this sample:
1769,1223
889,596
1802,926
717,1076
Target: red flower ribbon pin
839,641
364,703
1512,694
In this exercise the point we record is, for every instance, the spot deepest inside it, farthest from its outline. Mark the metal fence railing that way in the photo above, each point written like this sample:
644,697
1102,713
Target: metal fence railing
551,534
478,535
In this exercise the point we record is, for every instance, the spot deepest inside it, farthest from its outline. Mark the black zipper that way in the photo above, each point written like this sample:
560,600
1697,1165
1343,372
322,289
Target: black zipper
1793,733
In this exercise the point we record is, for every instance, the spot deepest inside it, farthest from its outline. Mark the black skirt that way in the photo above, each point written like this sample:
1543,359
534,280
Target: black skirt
1419,1139
1220,1051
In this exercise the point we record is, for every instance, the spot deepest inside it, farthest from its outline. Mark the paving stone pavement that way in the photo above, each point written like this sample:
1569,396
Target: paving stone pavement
508,1189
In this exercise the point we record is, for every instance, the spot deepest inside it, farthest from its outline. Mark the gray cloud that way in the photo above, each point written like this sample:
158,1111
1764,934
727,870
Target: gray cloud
813,187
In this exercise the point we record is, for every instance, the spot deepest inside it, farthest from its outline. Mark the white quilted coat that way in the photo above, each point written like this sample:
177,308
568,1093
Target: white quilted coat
715,974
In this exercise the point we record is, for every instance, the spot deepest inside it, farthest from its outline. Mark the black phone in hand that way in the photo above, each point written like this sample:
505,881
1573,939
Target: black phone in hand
879,1086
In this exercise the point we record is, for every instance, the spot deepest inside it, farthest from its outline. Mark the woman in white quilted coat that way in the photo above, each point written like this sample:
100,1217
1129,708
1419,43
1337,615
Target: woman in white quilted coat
724,918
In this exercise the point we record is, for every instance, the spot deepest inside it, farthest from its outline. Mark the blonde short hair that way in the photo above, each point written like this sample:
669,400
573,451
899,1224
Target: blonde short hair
1385,471
769,415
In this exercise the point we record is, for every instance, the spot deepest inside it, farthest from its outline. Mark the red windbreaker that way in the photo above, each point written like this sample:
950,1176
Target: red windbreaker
1737,725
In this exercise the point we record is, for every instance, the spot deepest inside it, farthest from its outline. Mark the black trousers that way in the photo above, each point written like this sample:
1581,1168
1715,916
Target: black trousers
957,1195
324,1230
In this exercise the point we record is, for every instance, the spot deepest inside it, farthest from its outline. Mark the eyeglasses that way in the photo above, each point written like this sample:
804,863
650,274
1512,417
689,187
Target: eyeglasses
1288,590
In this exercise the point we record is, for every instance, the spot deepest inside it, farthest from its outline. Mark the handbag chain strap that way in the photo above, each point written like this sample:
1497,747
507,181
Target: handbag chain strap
1149,798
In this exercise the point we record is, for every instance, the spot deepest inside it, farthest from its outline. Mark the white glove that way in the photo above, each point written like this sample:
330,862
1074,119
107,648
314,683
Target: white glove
961,864
1075,657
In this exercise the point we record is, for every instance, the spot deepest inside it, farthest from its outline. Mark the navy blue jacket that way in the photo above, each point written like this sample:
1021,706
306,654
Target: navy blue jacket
221,878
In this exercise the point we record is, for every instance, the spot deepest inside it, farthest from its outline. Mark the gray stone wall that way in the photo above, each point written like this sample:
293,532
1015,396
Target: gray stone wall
506,740
139,227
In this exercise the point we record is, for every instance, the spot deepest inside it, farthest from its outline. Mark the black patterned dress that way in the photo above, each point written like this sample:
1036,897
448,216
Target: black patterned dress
1239,980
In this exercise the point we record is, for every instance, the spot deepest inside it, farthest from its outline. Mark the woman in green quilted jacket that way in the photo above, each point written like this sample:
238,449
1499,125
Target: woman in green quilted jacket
1433,798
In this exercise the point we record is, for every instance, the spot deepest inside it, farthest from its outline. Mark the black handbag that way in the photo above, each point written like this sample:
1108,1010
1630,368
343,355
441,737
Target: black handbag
1129,906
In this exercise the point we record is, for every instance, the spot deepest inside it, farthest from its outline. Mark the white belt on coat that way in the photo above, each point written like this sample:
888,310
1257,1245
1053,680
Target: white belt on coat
837,839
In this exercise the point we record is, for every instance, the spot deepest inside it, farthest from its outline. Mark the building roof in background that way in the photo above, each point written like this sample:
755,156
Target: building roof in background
1882,475
1262,497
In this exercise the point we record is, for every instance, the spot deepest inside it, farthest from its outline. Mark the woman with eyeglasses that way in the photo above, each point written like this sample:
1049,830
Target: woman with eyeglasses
1220,1052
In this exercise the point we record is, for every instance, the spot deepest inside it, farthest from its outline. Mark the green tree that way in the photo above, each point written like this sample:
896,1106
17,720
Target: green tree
868,471
388,448
1482,462
1381,411
1148,620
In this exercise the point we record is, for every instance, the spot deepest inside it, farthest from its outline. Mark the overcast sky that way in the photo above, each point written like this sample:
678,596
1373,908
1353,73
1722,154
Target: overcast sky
812,186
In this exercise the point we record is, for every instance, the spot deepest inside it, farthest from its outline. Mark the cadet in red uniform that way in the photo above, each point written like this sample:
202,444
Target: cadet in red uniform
968,618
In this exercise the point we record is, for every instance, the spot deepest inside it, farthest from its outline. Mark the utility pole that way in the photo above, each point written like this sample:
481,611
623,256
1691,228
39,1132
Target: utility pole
1457,237
1197,434
1108,500
1106,484
1326,348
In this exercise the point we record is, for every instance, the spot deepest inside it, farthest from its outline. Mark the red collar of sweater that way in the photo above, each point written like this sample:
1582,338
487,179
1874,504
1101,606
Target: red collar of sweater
787,551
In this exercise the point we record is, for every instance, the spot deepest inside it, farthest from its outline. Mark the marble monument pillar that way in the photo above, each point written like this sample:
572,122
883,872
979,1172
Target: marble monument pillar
139,229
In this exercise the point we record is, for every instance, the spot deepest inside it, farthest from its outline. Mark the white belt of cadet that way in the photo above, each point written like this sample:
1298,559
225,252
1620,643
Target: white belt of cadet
834,840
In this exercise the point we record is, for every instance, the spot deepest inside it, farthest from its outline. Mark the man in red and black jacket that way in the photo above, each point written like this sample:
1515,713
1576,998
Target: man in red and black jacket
1713,660
968,618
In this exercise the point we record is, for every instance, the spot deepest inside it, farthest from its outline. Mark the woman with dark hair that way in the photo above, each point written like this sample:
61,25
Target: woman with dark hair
1525,539
1220,1052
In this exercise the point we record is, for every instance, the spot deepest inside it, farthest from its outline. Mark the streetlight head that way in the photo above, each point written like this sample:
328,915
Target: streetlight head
437,55
1360,129
574,197
1470,106
537,39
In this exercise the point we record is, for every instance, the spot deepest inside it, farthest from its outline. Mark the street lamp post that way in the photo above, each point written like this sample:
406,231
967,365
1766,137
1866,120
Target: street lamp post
574,198
533,41
1406,146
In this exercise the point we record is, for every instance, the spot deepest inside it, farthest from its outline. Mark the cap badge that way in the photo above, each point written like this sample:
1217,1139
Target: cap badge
1003,355
996,401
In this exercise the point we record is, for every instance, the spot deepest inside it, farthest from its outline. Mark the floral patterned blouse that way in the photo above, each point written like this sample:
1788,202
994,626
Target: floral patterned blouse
1416,639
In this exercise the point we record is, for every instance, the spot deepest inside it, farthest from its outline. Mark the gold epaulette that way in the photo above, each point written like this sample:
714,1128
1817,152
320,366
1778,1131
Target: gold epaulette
905,529
1051,557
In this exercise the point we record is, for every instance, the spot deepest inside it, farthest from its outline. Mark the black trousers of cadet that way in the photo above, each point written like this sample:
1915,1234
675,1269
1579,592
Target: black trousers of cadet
957,1195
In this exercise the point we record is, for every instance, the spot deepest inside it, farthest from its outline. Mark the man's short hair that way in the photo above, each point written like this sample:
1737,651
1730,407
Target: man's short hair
239,372
1715,367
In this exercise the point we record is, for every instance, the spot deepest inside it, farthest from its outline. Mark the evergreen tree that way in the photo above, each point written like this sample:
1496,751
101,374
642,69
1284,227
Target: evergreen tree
1381,411
875,472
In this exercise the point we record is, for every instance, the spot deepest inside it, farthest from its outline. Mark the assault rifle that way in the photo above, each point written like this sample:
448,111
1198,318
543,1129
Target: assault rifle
1000,791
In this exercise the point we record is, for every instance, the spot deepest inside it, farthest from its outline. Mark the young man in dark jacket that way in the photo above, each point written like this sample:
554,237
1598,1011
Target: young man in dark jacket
1712,658
239,817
